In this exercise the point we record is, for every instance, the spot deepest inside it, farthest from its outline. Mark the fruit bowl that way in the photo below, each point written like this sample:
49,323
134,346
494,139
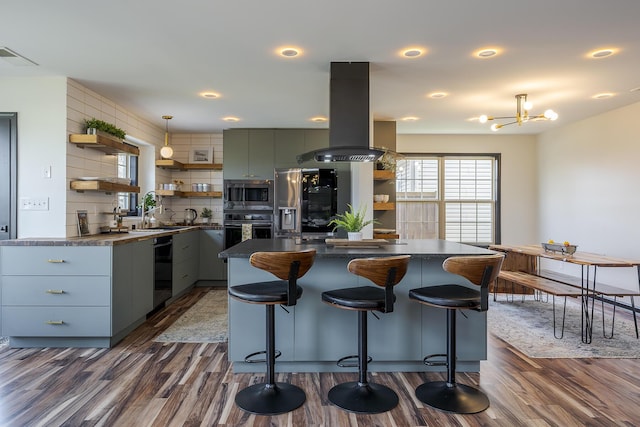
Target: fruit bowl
557,247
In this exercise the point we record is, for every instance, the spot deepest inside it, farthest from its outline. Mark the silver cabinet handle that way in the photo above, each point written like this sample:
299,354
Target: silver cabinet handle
54,322
55,261
185,247
54,291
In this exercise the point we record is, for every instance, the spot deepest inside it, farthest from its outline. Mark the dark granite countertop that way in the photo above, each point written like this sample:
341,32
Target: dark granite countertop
418,248
108,239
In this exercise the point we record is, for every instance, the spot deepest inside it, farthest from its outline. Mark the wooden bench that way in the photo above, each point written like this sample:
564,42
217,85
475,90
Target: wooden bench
546,285
539,283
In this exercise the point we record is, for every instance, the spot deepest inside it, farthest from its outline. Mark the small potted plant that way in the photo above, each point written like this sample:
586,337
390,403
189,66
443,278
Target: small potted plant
206,215
94,125
352,222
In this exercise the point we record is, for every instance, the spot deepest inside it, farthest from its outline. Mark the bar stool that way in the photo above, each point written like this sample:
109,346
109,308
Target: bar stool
362,396
449,396
271,398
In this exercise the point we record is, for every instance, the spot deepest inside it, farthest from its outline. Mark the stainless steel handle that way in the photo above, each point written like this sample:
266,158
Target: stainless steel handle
54,291
54,322
185,247
185,276
55,261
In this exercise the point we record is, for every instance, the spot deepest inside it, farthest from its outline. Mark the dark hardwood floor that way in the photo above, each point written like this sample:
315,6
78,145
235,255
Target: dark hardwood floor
144,383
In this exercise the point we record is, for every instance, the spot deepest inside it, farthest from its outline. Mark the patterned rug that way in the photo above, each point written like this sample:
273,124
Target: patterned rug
205,322
528,326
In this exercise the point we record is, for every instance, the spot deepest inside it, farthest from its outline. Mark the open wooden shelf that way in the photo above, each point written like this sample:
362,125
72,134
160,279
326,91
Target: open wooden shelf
176,165
383,174
175,193
103,143
104,186
384,206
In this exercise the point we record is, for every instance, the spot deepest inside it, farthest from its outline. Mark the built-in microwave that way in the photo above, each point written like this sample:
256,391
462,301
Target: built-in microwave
243,194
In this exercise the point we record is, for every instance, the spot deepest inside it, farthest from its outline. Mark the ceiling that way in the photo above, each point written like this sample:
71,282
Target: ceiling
154,58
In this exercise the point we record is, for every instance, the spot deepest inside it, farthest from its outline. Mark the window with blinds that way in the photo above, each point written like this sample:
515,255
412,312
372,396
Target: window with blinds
447,197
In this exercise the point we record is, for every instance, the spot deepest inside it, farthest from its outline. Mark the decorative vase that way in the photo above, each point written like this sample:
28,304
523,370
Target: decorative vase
354,235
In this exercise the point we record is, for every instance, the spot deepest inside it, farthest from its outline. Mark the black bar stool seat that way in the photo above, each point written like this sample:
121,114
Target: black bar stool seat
363,396
269,397
450,396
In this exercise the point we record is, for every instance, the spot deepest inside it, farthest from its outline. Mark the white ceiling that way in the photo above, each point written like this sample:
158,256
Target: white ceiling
154,57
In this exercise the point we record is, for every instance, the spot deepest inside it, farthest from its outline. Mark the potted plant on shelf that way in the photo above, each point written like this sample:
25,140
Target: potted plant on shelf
93,126
352,222
206,215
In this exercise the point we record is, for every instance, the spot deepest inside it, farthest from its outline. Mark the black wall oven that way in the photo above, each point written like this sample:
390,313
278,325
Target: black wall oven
247,225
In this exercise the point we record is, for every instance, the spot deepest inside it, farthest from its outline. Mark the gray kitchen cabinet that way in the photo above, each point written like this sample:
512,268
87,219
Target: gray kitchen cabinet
248,153
289,143
74,296
186,260
212,267
292,142
132,283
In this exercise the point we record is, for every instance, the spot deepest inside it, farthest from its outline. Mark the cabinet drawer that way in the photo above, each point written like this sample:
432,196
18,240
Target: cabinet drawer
56,290
185,248
56,321
55,260
185,274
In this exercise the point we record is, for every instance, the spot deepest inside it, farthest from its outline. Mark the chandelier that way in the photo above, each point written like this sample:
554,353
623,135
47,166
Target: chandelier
166,152
522,114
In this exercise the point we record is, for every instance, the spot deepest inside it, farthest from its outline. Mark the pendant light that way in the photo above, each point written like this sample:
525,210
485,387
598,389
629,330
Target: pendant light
166,152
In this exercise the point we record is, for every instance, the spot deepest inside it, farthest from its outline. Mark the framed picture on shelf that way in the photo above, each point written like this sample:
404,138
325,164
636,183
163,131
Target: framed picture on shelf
201,155
83,223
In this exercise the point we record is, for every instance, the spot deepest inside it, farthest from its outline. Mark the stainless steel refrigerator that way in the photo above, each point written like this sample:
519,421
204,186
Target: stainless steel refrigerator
305,201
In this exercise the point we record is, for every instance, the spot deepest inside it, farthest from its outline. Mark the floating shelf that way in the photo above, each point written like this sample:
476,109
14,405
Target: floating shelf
104,186
103,143
176,165
384,206
383,174
174,193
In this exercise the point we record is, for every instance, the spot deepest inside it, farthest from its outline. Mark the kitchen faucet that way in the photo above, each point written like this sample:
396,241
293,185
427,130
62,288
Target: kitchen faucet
146,211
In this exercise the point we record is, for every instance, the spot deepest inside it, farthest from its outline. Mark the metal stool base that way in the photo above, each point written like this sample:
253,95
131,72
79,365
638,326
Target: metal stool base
369,398
270,399
455,398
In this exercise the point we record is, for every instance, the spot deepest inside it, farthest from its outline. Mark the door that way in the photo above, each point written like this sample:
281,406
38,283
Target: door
8,175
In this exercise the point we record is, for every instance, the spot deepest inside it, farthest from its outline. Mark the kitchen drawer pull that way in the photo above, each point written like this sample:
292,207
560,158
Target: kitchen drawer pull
55,261
54,322
54,291
185,276
185,247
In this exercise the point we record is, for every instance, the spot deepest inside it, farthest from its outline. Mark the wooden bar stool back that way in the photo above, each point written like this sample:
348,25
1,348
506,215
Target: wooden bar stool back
481,271
362,396
271,398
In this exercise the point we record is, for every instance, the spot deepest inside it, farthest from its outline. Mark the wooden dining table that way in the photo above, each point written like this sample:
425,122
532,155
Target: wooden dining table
589,264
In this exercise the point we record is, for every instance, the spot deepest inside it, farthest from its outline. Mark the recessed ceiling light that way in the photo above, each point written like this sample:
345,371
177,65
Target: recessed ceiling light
231,119
318,119
412,52
603,95
409,119
438,95
210,95
289,51
487,52
602,53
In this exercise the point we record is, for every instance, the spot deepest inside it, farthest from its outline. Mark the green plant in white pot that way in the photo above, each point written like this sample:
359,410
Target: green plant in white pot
352,222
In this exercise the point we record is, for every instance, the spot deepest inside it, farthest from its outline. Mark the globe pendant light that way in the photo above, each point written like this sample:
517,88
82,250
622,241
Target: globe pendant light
166,151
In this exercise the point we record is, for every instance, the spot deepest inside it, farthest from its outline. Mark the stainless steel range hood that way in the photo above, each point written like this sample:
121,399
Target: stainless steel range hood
349,122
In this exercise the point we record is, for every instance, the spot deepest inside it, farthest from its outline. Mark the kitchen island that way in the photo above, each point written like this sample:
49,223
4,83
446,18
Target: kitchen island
312,335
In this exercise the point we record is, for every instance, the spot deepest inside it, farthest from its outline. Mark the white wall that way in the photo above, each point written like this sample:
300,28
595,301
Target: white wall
588,188
40,104
519,213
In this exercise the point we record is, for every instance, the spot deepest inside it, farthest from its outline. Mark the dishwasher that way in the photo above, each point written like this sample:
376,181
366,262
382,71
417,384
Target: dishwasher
162,270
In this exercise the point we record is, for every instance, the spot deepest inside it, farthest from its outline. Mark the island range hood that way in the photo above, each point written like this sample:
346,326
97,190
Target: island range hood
349,122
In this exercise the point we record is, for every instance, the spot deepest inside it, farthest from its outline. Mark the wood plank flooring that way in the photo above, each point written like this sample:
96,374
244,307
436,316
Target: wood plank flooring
143,383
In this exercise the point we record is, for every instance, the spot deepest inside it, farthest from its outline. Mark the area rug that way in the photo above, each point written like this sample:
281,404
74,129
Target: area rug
528,326
205,322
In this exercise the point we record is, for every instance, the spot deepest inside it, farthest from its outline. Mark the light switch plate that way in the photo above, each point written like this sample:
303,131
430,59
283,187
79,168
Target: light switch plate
34,203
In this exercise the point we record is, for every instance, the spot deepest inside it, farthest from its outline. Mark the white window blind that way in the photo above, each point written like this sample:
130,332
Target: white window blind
447,197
